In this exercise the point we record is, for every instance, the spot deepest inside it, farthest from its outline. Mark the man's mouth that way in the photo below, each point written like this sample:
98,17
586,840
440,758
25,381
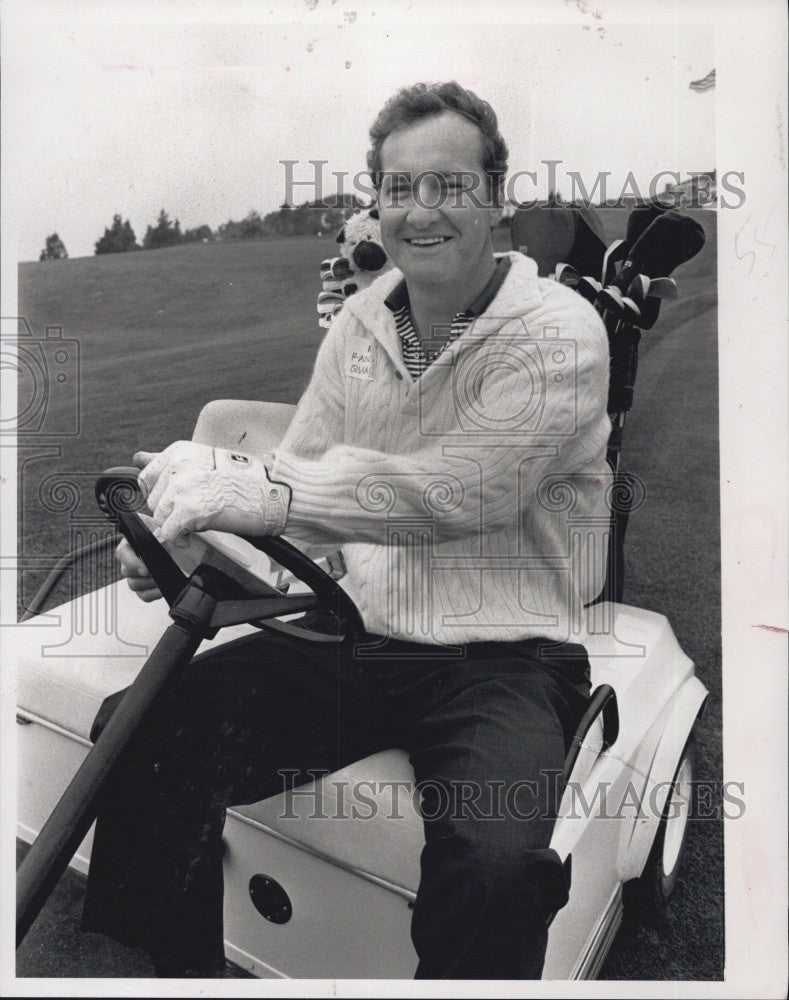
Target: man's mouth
427,241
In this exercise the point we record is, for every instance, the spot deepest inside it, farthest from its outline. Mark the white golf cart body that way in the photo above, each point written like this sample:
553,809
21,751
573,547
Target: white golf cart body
319,881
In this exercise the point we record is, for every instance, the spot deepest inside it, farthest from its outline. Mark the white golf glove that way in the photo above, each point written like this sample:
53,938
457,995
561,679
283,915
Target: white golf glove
191,487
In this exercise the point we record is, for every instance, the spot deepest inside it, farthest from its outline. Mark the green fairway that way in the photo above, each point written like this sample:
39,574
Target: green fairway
163,332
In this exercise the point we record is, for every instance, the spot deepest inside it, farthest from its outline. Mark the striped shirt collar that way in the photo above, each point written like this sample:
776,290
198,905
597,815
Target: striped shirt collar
419,355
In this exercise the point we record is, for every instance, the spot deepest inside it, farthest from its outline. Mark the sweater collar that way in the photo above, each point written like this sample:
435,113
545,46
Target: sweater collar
398,298
518,291
519,287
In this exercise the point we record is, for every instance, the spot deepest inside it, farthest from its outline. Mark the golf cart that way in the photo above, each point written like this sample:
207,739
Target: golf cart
308,895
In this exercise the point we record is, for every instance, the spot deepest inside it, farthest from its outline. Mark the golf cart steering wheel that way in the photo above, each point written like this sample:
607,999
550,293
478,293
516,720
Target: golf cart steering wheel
120,497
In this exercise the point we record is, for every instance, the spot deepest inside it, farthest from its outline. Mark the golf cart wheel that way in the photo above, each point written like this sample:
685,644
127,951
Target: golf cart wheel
645,898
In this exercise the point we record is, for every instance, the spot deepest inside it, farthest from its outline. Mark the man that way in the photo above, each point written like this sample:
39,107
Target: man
454,407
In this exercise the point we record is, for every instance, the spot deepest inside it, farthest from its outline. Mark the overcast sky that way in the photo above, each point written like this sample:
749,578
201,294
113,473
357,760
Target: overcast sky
130,108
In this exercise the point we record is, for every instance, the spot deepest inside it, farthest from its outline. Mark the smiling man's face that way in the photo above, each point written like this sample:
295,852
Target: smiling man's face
435,229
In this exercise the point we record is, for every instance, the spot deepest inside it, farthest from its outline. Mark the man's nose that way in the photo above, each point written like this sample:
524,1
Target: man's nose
424,206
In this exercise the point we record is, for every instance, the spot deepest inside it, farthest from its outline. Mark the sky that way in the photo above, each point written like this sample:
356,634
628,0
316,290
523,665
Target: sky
190,107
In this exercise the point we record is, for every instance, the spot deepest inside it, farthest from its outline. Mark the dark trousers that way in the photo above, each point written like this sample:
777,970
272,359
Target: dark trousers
486,733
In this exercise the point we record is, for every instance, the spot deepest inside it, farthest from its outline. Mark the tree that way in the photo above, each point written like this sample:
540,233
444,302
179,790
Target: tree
251,227
200,234
118,239
54,249
282,221
164,234
311,218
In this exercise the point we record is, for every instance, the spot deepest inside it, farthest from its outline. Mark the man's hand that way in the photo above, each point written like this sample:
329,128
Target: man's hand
191,487
134,570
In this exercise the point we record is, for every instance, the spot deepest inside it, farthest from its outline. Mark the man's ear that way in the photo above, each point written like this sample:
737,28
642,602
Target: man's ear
340,237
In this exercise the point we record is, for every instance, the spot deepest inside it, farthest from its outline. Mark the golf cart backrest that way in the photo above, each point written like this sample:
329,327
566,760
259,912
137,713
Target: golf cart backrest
250,426
559,234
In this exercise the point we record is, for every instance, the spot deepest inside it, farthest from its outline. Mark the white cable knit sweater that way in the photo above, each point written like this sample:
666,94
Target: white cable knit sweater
471,504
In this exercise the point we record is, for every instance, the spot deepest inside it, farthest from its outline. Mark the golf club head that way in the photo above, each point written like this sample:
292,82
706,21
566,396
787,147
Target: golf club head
623,307
589,288
566,274
641,218
638,221
639,288
615,252
662,288
632,311
669,240
611,298
645,294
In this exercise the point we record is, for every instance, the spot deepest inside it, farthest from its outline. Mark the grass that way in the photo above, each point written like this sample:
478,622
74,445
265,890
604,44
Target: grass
163,332
160,334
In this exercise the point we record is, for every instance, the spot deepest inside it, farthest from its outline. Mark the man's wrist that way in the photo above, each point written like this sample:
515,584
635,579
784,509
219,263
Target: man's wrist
276,506
251,477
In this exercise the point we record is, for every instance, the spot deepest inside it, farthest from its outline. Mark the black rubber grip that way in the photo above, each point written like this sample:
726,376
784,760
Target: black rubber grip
120,497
